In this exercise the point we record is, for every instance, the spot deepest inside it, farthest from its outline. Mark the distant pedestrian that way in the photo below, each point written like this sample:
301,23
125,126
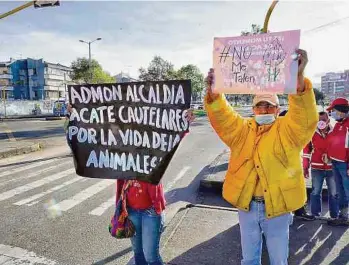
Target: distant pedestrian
338,152
315,157
265,178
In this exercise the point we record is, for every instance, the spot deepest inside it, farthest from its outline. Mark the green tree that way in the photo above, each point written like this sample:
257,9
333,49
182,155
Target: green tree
82,73
158,69
193,73
319,96
255,29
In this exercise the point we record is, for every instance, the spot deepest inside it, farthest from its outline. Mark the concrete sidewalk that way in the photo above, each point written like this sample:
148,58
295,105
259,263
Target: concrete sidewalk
13,148
206,235
214,181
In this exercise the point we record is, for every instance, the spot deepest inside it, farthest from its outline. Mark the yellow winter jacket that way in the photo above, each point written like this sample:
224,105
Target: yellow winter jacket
271,152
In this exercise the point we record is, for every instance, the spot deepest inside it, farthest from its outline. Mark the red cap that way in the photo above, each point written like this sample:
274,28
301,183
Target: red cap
338,101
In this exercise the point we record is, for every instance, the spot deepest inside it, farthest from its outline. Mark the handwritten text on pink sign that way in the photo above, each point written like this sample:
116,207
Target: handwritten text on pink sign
256,64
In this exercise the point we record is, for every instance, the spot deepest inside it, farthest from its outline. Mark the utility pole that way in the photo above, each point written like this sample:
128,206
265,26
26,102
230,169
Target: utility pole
89,60
4,100
89,56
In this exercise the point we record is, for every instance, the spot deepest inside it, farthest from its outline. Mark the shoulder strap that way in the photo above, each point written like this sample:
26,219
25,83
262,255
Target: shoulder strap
123,198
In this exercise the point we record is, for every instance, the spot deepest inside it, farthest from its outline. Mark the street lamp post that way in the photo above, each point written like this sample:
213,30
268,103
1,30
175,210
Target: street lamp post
89,54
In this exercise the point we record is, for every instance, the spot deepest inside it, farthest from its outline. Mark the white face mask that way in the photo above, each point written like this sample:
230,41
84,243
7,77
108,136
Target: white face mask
264,119
321,125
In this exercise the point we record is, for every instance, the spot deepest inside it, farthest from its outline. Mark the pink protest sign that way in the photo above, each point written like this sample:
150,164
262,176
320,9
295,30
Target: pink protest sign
256,64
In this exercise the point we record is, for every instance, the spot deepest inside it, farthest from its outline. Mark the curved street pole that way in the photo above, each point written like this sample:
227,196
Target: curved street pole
267,17
89,55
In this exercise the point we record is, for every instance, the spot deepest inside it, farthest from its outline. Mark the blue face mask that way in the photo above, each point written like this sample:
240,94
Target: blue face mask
265,119
335,116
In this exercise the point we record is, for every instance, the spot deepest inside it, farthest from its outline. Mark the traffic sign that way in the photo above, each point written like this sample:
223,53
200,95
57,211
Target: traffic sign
45,3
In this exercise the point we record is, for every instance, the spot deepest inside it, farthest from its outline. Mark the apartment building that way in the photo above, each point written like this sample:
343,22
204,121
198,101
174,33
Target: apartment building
37,80
335,85
56,79
6,88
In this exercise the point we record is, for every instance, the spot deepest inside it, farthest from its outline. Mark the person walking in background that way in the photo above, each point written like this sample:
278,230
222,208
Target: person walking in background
265,178
315,156
338,153
300,213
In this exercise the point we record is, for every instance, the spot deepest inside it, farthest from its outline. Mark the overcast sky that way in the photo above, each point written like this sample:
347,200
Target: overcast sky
181,32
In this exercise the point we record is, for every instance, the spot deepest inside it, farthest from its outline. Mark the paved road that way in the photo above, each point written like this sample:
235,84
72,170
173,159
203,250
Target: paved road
49,215
34,129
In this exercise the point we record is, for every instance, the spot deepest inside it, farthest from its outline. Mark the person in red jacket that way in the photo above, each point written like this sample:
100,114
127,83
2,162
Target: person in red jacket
338,153
145,205
315,157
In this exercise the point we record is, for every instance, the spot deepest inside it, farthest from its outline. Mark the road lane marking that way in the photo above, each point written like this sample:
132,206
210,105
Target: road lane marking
29,201
34,174
178,177
20,169
83,195
22,256
100,210
30,186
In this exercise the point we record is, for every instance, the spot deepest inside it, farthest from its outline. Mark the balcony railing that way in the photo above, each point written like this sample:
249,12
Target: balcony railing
54,77
5,76
7,88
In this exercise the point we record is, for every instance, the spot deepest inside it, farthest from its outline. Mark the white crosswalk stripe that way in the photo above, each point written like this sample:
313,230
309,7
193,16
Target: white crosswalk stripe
21,189
54,181
42,194
20,169
100,210
84,195
33,174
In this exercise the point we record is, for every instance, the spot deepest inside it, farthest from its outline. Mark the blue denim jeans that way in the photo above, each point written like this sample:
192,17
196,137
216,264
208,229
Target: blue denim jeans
317,179
146,242
275,230
342,185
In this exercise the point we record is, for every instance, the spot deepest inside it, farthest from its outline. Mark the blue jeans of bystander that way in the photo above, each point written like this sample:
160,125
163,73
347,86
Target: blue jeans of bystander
317,179
342,184
146,242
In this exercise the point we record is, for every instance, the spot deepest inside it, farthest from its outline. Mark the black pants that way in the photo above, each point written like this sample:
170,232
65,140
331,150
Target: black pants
300,211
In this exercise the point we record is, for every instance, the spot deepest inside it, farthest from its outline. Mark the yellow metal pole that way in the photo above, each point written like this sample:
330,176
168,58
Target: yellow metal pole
267,17
17,9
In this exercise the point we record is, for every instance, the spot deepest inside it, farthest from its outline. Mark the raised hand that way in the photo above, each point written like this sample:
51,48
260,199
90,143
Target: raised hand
190,116
210,81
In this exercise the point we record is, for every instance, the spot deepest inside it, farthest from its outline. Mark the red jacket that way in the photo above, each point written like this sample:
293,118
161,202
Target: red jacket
314,152
143,195
338,146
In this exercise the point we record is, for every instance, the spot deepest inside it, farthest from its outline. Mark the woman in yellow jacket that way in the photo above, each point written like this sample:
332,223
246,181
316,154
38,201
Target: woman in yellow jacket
265,177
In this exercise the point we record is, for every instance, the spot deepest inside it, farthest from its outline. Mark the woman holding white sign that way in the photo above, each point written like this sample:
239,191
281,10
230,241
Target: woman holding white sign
145,208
